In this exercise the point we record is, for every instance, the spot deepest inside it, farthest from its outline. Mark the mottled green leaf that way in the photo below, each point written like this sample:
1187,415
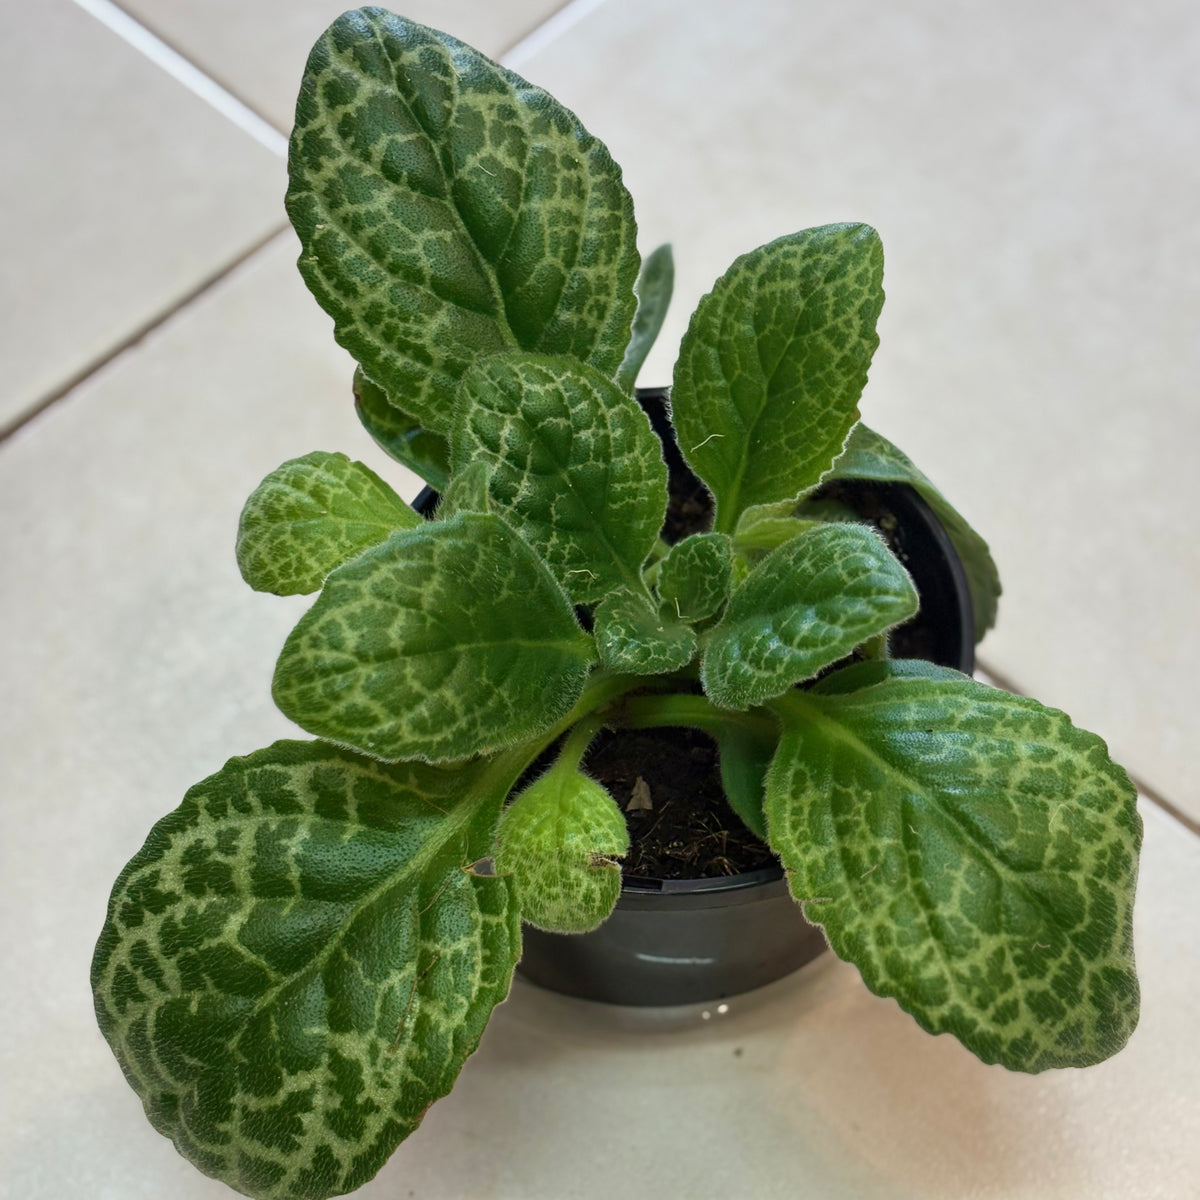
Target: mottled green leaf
311,515
428,454
447,208
693,580
869,455
558,841
299,961
446,641
773,363
974,854
654,286
632,637
467,491
807,604
575,466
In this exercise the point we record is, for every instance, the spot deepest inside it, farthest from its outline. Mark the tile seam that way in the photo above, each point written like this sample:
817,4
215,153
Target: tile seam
1190,823
130,340
186,73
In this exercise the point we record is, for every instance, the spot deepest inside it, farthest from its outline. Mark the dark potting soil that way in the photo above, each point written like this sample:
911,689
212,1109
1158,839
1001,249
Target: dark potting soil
689,831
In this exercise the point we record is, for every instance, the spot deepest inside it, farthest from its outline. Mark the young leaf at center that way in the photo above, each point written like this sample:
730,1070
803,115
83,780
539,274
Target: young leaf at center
804,606
575,465
631,636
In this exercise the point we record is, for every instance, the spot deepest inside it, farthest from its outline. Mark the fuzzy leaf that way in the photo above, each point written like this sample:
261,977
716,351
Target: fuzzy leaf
631,636
654,286
443,642
807,604
575,466
773,363
869,455
311,515
297,964
974,854
467,491
557,841
694,578
447,209
401,436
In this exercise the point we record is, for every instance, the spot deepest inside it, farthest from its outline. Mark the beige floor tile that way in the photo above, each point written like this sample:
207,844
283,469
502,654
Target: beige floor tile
1031,168
121,193
258,50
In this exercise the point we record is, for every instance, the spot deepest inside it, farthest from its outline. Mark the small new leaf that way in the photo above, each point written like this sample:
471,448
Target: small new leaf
632,637
467,491
311,515
973,853
694,578
448,209
804,606
558,841
574,464
401,436
869,455
446,641
655,283
296,964
773,364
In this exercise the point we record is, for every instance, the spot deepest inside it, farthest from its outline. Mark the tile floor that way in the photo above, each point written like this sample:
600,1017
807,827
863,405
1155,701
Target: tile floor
1032,171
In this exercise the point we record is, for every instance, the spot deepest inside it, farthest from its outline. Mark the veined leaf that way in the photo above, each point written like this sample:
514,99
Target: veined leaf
773,363
807,604
575,466
694,577
298,962
311,515
446,641
974,854
655,283
401,436
632,637
447,209
467,491
869,455
557,840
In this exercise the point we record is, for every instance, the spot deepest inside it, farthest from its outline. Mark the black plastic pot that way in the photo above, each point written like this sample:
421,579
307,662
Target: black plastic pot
688,941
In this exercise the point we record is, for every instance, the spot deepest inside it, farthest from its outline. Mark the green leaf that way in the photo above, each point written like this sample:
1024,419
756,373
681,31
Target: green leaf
632,637
695,575
654,286
575,466
806,605
428,454
557,841
974,854
746,752
467,491
299,961
311,515
446,641
447,209
869,455
879,670
773,363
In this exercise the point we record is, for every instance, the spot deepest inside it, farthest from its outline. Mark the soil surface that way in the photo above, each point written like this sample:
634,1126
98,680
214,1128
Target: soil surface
689,831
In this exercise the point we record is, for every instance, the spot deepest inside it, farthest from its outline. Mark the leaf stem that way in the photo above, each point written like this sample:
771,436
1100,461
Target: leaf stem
697,712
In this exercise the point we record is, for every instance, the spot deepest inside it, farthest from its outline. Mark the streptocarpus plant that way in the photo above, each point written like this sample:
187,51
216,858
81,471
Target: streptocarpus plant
302,956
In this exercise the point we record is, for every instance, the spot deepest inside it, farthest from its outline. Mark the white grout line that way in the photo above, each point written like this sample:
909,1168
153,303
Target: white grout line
548,31
192,78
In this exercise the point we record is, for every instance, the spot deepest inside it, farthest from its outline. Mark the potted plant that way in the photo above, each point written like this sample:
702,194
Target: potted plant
303,954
